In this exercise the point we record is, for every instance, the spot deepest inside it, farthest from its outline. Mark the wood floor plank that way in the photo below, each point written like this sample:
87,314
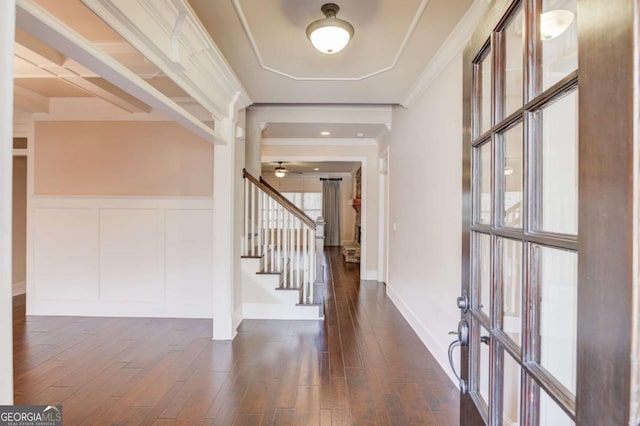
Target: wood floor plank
362,365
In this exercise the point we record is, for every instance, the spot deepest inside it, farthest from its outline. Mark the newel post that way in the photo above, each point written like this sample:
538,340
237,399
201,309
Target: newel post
318,282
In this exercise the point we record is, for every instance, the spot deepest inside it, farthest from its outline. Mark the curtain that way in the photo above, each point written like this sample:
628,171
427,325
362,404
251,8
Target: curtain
331,211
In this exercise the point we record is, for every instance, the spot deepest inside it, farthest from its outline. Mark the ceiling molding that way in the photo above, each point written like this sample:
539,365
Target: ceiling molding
168,34
29,100
92,109
254,46
455,42
318,142
101,88
38,22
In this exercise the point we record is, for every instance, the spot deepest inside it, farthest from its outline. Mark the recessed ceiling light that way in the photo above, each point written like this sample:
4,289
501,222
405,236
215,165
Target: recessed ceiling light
325,133
316,169
359,134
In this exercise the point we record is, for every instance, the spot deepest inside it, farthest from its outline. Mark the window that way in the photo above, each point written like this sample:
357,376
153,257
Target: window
308,202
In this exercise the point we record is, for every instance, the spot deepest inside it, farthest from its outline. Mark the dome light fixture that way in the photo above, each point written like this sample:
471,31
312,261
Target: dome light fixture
330,34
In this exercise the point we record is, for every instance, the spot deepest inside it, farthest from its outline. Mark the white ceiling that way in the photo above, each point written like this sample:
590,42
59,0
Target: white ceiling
265,43
314,130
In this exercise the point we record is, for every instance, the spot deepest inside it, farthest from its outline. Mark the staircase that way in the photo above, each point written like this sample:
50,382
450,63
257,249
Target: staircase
282,272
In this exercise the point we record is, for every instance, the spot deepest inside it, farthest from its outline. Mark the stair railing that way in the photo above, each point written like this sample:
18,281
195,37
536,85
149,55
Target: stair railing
284,237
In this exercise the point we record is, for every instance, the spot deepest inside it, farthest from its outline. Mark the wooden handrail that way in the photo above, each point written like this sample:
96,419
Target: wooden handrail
273,193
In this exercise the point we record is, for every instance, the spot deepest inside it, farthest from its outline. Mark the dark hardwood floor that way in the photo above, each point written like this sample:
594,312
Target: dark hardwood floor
363,365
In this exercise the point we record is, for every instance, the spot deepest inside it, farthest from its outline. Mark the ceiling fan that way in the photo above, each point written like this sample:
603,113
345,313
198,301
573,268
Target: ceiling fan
280,171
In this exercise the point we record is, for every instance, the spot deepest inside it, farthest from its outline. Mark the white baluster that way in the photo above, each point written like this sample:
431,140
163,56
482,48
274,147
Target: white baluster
273,235
298,225
312,264
265,226
305,269
245,250
285,247
253,220
293,255
279,234
260,224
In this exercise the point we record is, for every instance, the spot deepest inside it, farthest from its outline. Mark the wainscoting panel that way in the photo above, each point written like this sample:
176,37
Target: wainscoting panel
130,262
121,256
189,256
66,255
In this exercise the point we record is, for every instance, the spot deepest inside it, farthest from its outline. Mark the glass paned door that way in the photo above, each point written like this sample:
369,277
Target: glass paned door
523,221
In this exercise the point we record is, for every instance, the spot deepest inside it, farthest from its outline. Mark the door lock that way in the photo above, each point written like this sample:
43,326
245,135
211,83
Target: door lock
462,340
463,303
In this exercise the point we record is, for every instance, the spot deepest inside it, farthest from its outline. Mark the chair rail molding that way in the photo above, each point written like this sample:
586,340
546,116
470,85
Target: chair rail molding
168,33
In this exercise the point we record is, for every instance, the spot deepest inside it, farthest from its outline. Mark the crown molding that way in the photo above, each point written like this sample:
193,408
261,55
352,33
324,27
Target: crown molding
455,42
169,35
32,18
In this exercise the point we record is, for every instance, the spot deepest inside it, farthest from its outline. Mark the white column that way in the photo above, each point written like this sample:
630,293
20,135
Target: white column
224,171
7,29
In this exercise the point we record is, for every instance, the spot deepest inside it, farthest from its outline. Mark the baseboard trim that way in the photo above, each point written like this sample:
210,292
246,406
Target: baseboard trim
19,288
116,309
426,336
237,318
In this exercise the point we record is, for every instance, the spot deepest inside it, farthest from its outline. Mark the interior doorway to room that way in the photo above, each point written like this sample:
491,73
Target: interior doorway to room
19,228
302,182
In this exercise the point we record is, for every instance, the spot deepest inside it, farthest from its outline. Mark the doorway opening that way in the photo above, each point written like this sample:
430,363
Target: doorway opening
19,221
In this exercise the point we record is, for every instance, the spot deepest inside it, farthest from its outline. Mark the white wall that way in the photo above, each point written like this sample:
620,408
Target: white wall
425,190
125,251
364,151
310,182
120,256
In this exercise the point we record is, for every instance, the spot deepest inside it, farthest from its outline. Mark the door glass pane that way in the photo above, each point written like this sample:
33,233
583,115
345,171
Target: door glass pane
558,28
557,275
513,181
551,414
483,271
559,166
513,64
511,392
512,288
484,83
484,173
483,387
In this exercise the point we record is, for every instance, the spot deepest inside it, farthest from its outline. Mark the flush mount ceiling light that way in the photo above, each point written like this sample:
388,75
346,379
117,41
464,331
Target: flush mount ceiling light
554,22
280,171
325,133
330,35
